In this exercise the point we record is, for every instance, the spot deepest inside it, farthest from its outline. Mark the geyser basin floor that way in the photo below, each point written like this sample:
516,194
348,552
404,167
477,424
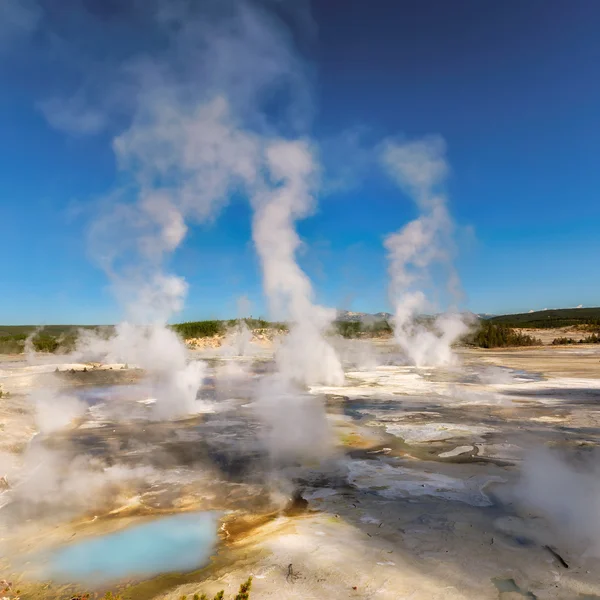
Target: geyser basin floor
181,542
409,515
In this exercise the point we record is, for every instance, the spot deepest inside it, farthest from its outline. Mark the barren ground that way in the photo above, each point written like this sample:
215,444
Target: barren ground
414,500
548,335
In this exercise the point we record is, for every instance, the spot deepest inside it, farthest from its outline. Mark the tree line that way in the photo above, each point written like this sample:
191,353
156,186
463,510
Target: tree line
594,338
491,335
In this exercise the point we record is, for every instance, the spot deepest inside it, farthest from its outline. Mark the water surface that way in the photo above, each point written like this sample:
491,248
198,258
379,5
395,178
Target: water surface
176,543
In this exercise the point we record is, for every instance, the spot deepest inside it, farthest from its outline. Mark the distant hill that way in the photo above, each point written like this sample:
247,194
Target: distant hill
361,317
556,317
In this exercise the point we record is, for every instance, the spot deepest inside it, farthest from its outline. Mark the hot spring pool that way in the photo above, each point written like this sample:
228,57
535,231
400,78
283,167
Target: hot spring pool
176,543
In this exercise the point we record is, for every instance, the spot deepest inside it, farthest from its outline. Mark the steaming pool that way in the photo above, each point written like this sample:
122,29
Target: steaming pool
174,543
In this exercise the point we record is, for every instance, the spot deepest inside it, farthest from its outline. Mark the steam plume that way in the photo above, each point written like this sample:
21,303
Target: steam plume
420,169
202,128
54,411
568,495
185,153
304,355
201,132
295,422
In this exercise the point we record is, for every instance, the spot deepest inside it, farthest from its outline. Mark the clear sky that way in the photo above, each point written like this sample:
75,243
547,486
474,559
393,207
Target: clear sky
512,86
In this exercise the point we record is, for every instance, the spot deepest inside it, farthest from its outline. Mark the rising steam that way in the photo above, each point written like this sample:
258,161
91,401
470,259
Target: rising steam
420,169
188,150
567,495
296,424
304,355
193,125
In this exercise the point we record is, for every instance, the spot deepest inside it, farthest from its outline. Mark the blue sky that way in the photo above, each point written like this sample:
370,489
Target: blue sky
512,87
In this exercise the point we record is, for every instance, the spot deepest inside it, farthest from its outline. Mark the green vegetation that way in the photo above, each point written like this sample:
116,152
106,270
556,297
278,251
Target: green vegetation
355,329
562,317
258,324
40,342
199,329
349,329
564,341
50,338
12,344
494,332
44,342
54,330
491,335
62,338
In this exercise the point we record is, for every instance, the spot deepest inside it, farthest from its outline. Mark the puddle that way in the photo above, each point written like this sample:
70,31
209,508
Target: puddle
527,375
176,543
509,586
99,394
399,482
